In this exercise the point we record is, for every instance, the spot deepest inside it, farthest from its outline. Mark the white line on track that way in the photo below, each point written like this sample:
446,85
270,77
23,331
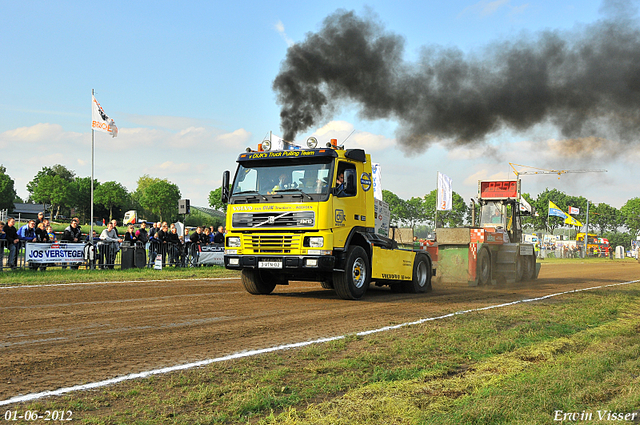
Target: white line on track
251,353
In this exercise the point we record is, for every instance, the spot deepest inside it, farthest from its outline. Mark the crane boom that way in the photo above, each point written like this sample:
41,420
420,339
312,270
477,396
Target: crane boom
544,171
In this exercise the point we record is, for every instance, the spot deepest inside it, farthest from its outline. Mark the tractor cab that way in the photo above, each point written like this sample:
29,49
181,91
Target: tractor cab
501,207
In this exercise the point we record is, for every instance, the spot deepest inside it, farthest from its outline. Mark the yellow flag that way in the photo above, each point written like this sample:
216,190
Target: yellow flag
572,221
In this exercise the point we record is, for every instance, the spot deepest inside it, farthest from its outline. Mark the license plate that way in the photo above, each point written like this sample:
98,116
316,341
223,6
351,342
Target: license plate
270,264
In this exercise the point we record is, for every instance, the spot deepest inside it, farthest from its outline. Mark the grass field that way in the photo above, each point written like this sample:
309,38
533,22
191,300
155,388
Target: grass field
577,353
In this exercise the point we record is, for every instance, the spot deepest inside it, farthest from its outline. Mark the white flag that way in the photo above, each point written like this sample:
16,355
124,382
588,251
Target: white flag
100,120
445,193
574,210
377,181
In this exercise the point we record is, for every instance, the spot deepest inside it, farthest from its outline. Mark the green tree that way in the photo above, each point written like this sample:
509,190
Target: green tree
136,197
414,212
7,190
456,217
544,221
215,200
53,190
161,197
81,189
397,207
56,170
619,238
630,213
604,217
111,195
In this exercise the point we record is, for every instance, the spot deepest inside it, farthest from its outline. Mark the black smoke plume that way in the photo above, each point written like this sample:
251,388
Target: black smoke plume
586,81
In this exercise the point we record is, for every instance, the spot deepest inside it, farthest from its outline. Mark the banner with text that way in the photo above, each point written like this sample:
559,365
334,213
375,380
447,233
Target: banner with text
54,252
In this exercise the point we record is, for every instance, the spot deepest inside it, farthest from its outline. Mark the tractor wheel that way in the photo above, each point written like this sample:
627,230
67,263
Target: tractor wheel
421,281
521,265
354,281
530,267
484,267
255,284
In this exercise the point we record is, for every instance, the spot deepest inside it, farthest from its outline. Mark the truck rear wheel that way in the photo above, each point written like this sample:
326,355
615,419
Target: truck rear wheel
484,267
421,279
255,284
353,283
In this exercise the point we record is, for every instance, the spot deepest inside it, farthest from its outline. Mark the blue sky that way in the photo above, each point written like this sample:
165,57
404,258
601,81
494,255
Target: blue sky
189,85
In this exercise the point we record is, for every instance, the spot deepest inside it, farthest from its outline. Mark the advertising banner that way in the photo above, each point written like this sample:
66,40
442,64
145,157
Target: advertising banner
54,252
377,181
445,193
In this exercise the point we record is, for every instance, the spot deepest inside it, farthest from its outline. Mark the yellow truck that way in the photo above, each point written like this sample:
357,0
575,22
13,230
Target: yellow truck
310,214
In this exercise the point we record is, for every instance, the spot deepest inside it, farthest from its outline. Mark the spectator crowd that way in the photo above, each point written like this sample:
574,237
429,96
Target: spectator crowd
160,238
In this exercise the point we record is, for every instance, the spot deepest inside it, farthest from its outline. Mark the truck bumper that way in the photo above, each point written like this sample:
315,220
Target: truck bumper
323,263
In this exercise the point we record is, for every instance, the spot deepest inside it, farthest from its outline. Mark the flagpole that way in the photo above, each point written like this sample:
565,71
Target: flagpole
92,159
586,232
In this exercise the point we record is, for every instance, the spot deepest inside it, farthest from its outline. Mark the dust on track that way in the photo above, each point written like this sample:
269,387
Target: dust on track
60,336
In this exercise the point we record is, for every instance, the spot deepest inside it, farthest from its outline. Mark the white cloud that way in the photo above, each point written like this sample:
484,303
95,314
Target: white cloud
341,130
42,132
192,157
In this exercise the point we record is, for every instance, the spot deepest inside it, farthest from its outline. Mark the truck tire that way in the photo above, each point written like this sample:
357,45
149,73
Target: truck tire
421,279
353,283
255,284
484,267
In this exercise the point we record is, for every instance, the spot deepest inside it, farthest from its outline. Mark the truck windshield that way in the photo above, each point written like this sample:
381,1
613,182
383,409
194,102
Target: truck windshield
303,180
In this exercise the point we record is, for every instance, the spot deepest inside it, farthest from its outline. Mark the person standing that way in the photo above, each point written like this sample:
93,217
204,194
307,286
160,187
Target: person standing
27,233
219,236
40,218
130,235
110,243
142,234
13,242
72,234
3,243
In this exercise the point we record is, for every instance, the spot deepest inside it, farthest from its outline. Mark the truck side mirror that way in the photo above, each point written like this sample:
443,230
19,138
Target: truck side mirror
350,186
225,187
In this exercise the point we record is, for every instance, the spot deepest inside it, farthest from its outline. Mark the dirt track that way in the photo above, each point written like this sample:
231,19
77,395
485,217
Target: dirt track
59,336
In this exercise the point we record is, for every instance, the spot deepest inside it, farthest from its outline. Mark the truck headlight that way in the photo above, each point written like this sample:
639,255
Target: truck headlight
313,241
233,241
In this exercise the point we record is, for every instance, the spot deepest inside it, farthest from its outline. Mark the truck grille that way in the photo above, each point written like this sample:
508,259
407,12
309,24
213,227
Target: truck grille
272,244
274,219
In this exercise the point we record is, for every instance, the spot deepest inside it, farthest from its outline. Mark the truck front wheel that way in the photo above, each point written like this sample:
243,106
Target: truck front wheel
255,284
354,281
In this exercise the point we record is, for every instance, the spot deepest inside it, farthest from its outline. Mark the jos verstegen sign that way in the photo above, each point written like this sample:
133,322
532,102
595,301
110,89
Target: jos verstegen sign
55,252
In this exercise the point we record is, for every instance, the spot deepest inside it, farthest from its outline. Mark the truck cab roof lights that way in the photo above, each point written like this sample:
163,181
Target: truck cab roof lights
266,145
312,142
